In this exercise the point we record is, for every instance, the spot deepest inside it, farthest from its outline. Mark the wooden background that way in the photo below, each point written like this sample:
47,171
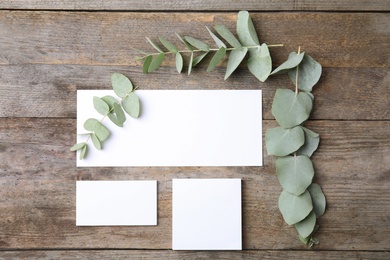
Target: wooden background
49,49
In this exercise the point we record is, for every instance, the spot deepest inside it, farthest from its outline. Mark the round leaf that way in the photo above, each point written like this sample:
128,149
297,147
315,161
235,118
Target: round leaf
101,131
290,109
318,198
295,173
77,147
293,60
131,105
96,142
234,61
121,84
260,63
119,113
219,55
282,142
114,119
110,101
197,43
90,123
101,106
294,208
156,62
309,73
312,140
306,227
246,30
179,62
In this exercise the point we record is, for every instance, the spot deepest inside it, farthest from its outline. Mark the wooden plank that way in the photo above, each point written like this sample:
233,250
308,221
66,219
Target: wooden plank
50,90
168,254
196,5
105,38
37,191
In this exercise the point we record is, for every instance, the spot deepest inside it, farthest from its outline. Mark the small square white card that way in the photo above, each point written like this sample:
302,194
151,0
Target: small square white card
116,203
206,214
179,128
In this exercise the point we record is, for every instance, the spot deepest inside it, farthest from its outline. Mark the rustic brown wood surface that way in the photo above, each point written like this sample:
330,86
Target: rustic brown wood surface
46,55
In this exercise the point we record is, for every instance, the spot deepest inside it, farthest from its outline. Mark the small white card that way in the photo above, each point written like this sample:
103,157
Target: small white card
116,203
179,128
206,214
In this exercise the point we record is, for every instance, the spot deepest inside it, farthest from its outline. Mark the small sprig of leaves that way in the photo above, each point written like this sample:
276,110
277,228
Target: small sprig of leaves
110,107
259,62
301,201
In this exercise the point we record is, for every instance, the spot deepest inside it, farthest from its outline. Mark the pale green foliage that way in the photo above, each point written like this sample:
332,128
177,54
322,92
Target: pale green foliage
100,106
282,142
260,63
217,58
318,198
312,141
292,62
235,59
306,226
309,73
131,105
295,208
121,84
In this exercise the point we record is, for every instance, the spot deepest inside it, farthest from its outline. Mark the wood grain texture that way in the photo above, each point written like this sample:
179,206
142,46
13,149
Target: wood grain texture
37,195
101,38
50,90
201,5
168,254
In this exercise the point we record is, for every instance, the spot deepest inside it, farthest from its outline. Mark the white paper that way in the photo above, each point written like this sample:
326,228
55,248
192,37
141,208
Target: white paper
116,203
180,128
206,214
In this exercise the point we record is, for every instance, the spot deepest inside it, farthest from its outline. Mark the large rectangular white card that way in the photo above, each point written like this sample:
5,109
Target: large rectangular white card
206,214
180,128
116,203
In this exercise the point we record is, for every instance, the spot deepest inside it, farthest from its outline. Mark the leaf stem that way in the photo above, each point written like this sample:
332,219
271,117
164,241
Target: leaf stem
296,75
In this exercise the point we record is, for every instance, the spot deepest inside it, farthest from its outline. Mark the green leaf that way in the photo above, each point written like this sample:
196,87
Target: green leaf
90,123
131,105
101,131
290,109
185,42
96,142
114,119
154,45
172,48
121,84
101,106
295,173
197,43
218,41
293,60
190,63
246,30
228,36
318,198
260,63
156,62
306,227
179,62
282,142
83,152
235,58
77,146
198,59
219,55
147,61
119,113
309,73
294,208
304,240
110,101
312,140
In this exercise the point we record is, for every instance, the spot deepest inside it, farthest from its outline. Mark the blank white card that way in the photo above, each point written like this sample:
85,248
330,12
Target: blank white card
116,203
180,128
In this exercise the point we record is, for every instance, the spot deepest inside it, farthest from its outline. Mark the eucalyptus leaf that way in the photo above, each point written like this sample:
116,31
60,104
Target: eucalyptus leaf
294,208
114,119
185,42
77,146
167,44
110,101
190,63
156,62
217,58
119,113
290,109
121,84
293,60
96,142
295,173
154,45
90,123
228,36
83,152
318,198
309,73
312,140
282,142
304,240
131,105
101,131
260,63
218,41
306,227
147,61
179,62
198,59
197,43
235,58
246,30
100,106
